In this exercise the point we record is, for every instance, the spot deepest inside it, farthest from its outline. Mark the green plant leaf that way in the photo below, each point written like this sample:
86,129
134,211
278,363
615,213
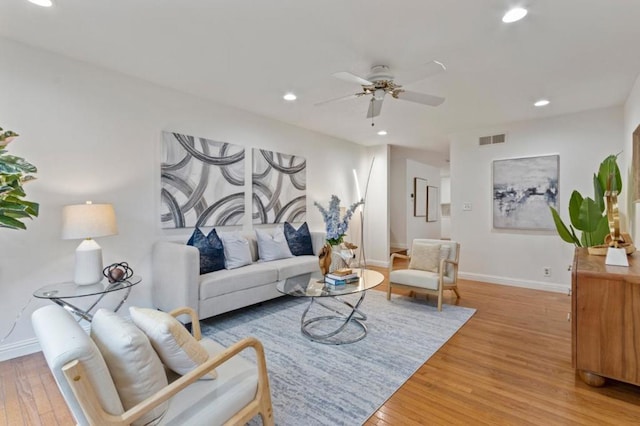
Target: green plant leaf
575,237
9,222
589,215
574,208
609,168
598,193
598,236
563,231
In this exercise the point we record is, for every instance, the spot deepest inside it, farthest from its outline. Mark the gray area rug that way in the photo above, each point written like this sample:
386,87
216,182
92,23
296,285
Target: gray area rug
317,384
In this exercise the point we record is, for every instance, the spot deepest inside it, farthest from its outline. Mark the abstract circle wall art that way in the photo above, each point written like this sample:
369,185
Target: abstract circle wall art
202,182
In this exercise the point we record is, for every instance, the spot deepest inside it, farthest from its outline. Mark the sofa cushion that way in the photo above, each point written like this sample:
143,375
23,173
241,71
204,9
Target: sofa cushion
236,250
299,240
272,246
227,281
135,368
211,250
295,266
177,348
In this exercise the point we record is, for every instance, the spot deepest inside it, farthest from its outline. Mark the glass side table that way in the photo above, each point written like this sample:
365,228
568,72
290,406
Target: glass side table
60,293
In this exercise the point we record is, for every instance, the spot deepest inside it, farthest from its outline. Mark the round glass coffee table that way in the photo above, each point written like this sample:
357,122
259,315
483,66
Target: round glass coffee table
331,329
60,293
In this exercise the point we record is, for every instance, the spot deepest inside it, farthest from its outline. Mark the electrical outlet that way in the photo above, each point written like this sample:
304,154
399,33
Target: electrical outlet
466,206
547,271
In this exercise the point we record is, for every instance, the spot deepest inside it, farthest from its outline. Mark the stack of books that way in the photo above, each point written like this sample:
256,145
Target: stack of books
341,277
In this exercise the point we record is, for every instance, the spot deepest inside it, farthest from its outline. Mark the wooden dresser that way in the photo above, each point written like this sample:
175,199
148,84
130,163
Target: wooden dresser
605,319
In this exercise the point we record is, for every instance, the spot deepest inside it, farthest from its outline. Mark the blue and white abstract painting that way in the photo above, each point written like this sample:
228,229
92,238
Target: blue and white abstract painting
202,182
523,190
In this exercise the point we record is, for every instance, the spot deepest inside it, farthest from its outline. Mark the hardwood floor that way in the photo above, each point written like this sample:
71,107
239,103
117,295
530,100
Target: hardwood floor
509,365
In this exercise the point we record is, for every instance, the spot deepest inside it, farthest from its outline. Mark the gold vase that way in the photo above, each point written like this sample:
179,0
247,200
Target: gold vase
324,258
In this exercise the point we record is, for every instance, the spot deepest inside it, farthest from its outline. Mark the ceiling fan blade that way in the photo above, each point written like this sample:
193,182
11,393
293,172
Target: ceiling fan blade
340,99
434,68
374,108
352,78
420,98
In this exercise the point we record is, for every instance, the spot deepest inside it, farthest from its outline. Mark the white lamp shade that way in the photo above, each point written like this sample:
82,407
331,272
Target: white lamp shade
88,221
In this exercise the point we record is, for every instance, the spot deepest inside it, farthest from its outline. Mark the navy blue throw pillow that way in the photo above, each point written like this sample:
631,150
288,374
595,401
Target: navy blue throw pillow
299,240
211,250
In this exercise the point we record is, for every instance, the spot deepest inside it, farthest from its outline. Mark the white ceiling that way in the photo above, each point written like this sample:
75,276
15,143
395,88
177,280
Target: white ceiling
581,54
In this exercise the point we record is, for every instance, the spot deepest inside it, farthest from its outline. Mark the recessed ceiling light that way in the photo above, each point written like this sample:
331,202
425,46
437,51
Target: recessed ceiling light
513,15
43,3
382,133
289,97
541,102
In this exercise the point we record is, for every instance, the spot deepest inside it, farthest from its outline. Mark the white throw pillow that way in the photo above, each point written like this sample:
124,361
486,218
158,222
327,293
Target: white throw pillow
236,250
425,257
177,348
272,247
135,368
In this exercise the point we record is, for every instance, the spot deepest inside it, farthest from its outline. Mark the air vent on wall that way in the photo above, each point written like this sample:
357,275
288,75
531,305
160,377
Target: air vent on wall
488,140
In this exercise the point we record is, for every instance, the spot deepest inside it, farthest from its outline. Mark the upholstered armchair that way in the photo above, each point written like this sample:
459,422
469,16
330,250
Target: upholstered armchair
433,268
117,376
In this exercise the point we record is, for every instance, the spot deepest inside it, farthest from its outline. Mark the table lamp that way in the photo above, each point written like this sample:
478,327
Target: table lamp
88,221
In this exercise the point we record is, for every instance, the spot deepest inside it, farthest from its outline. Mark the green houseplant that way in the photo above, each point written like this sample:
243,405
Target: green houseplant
588,215
14,171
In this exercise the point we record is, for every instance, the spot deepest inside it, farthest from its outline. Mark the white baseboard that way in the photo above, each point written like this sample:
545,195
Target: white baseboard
18,349
400,245
378,263
515,282
24,347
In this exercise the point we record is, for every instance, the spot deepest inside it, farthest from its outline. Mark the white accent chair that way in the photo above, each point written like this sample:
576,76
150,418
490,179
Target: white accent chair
240,391
429,282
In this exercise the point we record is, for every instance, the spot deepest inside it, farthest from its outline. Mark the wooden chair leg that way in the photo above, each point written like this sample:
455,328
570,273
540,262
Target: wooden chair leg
389,292
455,290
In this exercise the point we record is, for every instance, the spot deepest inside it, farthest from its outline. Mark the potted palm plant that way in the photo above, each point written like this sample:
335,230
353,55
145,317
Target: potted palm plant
589,215
14,172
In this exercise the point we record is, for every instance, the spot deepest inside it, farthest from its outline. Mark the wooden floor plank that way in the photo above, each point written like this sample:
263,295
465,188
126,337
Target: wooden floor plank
509,365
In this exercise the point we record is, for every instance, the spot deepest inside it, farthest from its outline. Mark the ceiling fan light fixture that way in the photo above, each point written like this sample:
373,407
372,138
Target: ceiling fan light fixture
42,3
515,14
382,133
378,95
289,97
541,102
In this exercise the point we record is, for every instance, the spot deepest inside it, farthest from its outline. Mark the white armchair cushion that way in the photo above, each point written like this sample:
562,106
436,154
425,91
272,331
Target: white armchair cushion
237,252
425,257
415,278
63,340
135,368
272,247
177,348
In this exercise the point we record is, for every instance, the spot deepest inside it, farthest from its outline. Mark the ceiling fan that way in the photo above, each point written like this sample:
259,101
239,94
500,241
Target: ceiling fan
380,82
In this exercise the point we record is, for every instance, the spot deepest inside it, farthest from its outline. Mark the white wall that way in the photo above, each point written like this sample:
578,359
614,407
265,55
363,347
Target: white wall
445,198
407,163
95,134
582,140
631,123
376,217
418,227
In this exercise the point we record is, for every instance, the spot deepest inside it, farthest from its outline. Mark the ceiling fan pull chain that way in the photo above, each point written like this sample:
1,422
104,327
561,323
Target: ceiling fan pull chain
372,123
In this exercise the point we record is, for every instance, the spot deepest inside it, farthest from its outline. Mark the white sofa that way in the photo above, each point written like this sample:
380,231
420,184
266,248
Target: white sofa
176,278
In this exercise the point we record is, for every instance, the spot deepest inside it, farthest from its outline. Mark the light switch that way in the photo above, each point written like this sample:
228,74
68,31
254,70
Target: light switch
466,207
